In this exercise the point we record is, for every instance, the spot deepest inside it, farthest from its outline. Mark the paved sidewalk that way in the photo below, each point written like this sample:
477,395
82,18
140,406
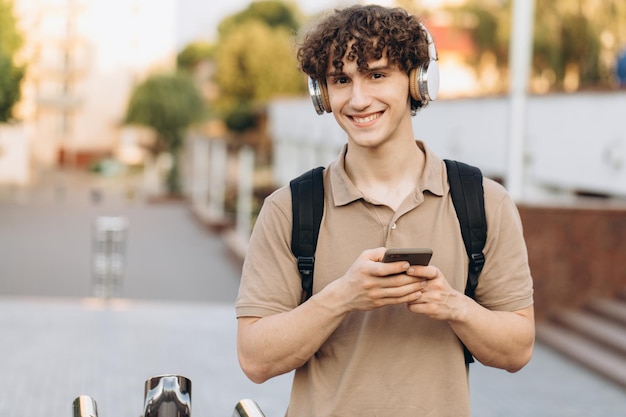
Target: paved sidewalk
53,350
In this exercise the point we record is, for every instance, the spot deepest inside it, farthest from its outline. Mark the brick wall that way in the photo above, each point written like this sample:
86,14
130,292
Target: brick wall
575,254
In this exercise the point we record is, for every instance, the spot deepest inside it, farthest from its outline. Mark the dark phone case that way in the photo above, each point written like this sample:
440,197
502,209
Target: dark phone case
414,256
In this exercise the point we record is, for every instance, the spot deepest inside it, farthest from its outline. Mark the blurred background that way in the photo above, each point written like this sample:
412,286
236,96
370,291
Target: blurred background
139,138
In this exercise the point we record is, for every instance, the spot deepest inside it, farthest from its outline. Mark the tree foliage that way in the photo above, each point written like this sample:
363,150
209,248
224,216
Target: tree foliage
10,74
486,26
273,13
580,37
167,103
256,61
193,54
563,39
10,79
10,38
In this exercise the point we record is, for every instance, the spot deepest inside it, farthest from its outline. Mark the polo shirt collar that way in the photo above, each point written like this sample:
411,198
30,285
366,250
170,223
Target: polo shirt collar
344,191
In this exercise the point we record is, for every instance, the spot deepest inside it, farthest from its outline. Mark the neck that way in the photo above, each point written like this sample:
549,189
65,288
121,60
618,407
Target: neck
388,174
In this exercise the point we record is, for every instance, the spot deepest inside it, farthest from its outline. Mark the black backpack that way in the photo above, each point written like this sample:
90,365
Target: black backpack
466,189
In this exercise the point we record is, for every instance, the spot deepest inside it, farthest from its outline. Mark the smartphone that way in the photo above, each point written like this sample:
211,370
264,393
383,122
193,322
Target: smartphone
414,256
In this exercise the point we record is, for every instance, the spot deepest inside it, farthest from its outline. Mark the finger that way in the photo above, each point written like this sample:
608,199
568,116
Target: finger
375,254
391,268
426,272
405,294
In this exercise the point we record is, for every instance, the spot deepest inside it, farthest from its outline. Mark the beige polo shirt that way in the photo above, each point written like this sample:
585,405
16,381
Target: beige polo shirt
386,362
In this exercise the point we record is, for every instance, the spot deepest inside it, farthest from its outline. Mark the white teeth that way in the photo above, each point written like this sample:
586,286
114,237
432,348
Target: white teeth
366,119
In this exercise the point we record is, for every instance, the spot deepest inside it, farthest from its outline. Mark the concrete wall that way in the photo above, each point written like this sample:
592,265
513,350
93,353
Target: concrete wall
574,142
14,154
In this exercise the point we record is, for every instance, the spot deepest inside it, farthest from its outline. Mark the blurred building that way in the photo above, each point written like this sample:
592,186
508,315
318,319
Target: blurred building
454,47
84,57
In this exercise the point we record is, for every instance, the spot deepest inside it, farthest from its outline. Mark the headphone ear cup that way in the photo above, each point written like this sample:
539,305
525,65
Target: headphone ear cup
325,98
424,82
319,96
413,88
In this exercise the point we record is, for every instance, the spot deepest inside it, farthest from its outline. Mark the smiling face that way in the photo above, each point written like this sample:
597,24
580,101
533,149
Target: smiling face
372,106
363,35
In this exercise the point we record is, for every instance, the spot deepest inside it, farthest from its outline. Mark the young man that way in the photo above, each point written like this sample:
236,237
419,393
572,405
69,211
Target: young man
381,339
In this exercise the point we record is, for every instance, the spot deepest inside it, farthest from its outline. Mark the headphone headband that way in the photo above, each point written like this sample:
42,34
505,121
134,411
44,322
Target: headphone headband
432,51
423,82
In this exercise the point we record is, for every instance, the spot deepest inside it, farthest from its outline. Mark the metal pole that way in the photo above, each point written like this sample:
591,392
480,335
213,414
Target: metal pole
245,192
217,178
520,62
200,171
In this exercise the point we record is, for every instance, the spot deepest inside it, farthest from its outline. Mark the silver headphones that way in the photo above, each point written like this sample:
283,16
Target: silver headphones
423,83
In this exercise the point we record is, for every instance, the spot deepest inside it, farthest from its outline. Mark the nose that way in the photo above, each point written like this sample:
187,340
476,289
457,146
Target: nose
360,96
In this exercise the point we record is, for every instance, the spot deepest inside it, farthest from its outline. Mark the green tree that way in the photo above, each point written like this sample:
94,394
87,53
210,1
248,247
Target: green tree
272,12
486,26
167,103
10,74
193,54
565,38
256,61
581,36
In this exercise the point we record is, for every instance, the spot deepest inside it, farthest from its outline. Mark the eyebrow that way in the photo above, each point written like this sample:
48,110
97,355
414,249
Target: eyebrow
380,67
335,74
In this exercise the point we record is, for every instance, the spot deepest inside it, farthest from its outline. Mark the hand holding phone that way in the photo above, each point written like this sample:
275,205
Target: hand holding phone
414,256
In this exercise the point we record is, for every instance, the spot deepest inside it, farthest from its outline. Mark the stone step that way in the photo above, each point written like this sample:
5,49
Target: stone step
587,352
599,328
611,308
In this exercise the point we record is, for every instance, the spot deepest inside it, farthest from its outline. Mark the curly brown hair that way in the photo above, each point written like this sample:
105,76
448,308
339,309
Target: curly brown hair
370,31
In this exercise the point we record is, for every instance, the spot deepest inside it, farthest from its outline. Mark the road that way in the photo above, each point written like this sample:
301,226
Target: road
47,245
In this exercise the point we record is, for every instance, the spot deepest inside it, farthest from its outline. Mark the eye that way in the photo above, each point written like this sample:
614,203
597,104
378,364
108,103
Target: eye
341,80
377,75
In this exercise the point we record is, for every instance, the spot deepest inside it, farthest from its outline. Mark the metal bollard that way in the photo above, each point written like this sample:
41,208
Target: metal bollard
84,406
109,255
167,396
247,408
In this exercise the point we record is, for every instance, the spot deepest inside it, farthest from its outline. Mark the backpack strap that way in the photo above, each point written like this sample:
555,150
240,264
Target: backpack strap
466,190
307,202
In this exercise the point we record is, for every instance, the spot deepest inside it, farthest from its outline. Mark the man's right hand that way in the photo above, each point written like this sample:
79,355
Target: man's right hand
369,283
